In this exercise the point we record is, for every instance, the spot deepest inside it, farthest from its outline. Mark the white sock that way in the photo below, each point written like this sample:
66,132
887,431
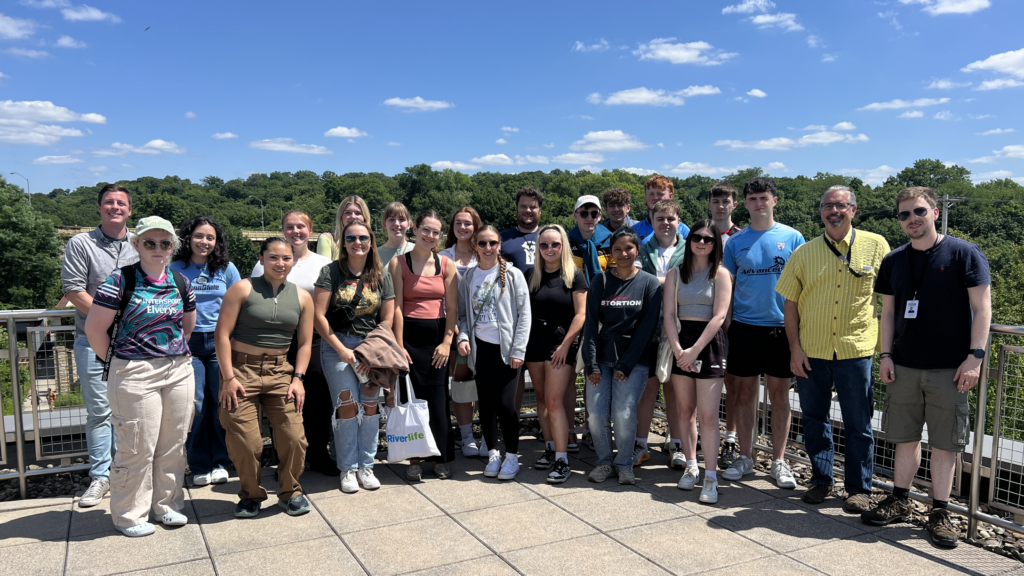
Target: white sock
562,456
730,436
691,463
467,430
550,445
642,441
713,474
493,452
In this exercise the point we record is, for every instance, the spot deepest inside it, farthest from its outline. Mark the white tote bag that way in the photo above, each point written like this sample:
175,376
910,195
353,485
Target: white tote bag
408,429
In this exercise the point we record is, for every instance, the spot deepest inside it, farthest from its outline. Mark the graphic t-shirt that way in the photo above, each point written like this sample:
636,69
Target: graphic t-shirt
519,248
209,289
304,273
756,258
484,293
151,326
940,336
552,302
342,285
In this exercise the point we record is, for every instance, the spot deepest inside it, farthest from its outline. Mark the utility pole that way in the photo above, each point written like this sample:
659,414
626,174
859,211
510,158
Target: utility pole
28,186
946,203
262,227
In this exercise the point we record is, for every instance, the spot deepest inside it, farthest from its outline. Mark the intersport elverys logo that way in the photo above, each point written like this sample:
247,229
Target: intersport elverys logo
409,438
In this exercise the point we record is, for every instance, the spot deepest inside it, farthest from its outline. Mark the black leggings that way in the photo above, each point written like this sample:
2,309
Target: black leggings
496,384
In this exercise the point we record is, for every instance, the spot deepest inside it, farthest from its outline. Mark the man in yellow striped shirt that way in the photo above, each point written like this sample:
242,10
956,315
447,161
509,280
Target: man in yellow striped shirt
829,284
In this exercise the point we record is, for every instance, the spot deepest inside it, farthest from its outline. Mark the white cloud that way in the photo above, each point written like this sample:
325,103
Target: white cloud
224,135
936,7
661,144
97,169
982,160
14,131
912,114
777,166
15,28
756,93
999,84
823,138
445,164
190,115
980,116
493,160
844,126
1006,62
814,41
749,7
57,160
1013,151
647,97
528,159
549,145
27,53
891,16
706,169
509,129
898,104
69,42
45,3
2,76
418,104
639,171
501,141
607,141
995,131
598,47
829,57
394,143
343,132
45,111
783,20
994,175
944,115
594,97
151,148
288,145
578,158
814,127
699,53
872,176
86,13
946,84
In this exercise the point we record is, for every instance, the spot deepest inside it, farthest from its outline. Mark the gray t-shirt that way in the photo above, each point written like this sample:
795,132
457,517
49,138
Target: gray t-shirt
386,254
89,258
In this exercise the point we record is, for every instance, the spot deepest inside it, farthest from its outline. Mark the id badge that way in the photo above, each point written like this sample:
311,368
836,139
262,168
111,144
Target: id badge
911,311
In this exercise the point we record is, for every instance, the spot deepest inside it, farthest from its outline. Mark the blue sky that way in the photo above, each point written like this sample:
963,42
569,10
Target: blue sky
224,88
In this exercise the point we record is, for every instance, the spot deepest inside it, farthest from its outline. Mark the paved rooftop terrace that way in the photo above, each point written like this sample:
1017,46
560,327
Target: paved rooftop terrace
475,525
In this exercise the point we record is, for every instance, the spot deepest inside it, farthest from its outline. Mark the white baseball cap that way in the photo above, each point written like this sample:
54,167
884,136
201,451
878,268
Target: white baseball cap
588,199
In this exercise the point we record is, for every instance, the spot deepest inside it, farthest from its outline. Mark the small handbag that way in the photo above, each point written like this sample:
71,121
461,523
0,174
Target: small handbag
663,370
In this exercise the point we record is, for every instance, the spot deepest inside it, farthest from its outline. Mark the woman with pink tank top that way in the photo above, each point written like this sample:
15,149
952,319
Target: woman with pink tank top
425,315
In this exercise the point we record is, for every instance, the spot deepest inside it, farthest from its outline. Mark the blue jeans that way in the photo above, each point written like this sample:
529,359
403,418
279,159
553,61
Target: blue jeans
614,403
852,381
355,439
205,445
99,433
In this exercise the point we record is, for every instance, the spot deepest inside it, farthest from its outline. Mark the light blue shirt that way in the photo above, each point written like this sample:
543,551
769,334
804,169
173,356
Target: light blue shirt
209,290
756,259
645,230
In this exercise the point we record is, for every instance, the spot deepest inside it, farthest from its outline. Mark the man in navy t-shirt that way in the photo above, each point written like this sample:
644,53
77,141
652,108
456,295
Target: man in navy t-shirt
519,244
936,310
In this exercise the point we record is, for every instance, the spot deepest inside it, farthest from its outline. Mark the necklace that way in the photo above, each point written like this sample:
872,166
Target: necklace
615,271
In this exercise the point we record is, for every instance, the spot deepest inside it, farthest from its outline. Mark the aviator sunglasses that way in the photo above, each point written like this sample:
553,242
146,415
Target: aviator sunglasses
152,244
920,211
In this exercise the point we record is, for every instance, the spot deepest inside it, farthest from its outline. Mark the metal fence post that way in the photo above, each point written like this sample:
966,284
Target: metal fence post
977,459
19,432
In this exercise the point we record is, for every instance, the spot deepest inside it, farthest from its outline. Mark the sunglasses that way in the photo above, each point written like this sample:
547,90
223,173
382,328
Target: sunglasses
553,245
920,212
591,214
352,238
487,243
702,239
152,244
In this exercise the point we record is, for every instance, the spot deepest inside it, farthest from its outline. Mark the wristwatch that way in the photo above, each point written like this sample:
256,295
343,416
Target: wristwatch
978,352
301,376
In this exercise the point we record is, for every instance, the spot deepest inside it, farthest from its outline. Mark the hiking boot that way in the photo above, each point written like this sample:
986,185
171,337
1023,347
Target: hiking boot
601,473
817,493
940,526
546,460
887,511
857,504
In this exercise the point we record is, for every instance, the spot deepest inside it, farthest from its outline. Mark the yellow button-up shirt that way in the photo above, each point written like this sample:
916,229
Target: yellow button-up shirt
837,311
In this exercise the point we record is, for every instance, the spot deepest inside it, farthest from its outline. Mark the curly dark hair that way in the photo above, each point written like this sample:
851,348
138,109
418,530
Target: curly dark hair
219,259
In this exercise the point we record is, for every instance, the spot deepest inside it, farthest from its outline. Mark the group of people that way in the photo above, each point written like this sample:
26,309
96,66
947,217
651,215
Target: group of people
176,352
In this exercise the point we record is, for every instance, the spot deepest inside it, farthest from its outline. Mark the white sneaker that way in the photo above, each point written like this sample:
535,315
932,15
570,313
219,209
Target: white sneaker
349,484
470,449
783,475
509,468
94,493
367,479
173,518
219,475
677,459
689,479
202,479
740,468
709,494
493,464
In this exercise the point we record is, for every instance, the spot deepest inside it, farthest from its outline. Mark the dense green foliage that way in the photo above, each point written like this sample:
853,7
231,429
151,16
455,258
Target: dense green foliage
29,253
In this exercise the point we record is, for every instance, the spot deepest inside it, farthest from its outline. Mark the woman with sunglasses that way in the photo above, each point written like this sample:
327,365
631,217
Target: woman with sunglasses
358,284
558,297
150,386
494,324
460,250
258,321
696,298
426,297
622,314
203,259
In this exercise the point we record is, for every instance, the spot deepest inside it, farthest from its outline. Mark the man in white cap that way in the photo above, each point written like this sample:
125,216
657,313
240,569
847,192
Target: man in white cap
589,240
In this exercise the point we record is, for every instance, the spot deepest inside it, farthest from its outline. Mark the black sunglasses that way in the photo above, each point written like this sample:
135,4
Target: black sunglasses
553,245
920,211
486,243
151,244
593,214
352,238
702,239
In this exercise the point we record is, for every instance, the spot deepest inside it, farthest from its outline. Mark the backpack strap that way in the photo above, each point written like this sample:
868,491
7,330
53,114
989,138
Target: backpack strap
179,283
127,291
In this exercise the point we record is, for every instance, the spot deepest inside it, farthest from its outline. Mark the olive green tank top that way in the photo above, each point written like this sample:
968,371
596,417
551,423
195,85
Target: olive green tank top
266,320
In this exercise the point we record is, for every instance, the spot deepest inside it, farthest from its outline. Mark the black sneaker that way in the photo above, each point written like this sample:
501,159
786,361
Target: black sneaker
545,461
730,452
247,508
561,473
888,511
944,534
295,506
817,493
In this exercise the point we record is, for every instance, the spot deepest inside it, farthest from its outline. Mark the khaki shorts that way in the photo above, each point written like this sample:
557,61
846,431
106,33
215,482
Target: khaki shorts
464,391
918,397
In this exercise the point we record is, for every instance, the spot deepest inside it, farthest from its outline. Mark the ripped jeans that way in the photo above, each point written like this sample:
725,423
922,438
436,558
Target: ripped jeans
355,439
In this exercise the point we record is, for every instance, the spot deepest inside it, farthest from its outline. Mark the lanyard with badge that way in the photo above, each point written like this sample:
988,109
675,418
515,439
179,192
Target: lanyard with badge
915,281
846,259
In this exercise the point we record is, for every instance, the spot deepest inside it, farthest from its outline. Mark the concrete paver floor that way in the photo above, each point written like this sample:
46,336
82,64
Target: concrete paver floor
476,525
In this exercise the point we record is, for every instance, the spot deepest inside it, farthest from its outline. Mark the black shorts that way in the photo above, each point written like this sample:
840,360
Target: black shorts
545,337
756,350
712,357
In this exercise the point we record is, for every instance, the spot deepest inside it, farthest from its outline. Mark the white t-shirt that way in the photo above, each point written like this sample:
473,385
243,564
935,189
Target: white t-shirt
484,294
664,256
304,273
